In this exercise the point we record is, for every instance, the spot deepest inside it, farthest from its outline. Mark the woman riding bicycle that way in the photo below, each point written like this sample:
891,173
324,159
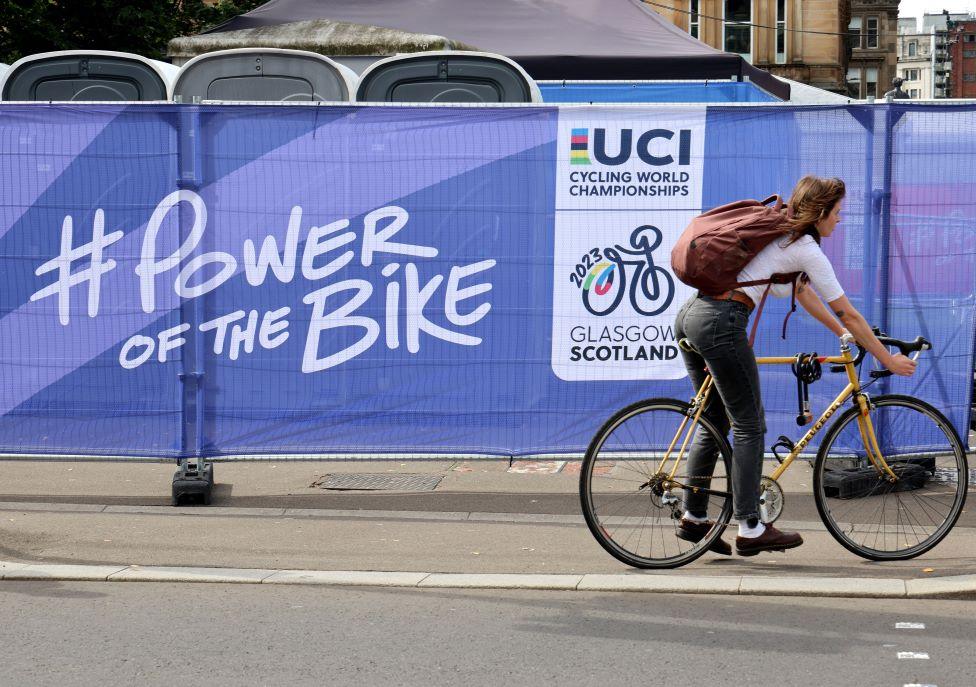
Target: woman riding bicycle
716,327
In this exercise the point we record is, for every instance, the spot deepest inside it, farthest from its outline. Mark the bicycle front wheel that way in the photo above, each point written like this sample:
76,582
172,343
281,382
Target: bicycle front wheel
873,514
635,484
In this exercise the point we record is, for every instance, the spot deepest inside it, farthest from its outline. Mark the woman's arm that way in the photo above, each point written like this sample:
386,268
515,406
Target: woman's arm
861,330
808,298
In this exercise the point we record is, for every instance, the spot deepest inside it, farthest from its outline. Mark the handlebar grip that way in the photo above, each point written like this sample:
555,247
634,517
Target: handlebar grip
906,347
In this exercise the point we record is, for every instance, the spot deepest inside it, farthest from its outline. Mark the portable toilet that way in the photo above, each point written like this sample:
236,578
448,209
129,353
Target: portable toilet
86,75
447,76
264,74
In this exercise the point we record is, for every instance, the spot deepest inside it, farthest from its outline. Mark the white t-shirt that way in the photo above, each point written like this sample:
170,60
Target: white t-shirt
781,257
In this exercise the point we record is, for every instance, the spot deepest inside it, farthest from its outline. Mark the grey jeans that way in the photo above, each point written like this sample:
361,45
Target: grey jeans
718,330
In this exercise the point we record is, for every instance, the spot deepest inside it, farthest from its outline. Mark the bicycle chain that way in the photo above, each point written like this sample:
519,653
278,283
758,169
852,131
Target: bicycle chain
727,524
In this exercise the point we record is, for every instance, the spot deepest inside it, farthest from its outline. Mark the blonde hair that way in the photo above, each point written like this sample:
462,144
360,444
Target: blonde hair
813,198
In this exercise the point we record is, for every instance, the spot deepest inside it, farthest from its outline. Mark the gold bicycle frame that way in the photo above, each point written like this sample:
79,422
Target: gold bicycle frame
853,388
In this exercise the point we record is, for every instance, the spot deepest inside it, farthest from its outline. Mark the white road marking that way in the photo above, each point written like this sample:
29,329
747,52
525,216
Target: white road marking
913,655
909,626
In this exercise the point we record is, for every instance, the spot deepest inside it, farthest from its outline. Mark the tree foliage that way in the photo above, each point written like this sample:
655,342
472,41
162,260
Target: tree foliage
139,26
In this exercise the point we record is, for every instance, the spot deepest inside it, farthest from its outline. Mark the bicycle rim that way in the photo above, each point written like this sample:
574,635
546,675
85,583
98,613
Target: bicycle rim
867,512
630,506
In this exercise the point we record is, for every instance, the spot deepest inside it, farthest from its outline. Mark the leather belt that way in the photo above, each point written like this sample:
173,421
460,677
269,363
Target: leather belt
736,296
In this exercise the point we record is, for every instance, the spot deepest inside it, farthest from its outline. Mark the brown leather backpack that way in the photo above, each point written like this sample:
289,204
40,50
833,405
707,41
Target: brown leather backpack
714,248
717,244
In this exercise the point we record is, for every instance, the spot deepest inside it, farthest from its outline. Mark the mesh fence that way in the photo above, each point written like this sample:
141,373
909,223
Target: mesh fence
355,281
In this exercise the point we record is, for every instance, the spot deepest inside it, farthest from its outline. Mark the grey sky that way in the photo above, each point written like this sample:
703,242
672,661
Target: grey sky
916,8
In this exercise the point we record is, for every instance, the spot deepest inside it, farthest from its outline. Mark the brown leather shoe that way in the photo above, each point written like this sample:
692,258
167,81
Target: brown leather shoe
770,540
692,531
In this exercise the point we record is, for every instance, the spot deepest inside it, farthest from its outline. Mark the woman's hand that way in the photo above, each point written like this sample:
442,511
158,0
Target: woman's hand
858,326
901,366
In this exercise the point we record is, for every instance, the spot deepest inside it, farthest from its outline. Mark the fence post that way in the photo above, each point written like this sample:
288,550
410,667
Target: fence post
892,116
884,216
865,116
194,476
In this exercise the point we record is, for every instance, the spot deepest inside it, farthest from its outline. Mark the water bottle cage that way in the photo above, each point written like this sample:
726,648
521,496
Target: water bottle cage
784,442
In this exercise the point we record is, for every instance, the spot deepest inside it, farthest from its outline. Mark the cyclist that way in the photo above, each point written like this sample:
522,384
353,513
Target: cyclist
716,326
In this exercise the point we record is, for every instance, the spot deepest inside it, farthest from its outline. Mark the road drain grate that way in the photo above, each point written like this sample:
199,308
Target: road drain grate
378,482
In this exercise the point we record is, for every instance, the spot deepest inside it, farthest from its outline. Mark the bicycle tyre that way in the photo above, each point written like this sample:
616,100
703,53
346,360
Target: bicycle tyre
619,550
829,504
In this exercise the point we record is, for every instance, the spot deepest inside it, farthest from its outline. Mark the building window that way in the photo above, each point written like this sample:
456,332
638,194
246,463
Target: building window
854,32
912,48
854,82
969,77
738,32
780,31
914,92
871,35
911,74
969,53
970,38
693,20
871,82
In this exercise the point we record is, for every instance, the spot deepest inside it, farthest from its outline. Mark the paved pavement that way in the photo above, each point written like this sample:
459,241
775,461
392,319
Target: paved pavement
483,519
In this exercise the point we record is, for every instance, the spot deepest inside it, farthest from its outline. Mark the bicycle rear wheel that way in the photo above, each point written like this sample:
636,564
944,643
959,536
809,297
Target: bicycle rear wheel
863,508
631,503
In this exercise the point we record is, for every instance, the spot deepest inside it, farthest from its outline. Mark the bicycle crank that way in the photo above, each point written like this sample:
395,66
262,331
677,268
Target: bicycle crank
770,500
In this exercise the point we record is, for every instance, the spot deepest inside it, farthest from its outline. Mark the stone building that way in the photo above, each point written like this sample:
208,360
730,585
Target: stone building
915,55
873,39
803,40
935,59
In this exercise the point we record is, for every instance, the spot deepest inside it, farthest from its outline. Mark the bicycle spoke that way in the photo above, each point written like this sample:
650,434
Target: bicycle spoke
880,518
631,506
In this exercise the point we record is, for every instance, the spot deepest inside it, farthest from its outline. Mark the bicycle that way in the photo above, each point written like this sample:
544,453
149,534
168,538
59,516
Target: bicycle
889,478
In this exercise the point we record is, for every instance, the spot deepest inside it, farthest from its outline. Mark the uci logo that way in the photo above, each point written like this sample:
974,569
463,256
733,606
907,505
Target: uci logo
604,276
624,145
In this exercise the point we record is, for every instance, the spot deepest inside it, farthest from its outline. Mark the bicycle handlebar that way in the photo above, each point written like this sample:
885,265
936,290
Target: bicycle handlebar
904,347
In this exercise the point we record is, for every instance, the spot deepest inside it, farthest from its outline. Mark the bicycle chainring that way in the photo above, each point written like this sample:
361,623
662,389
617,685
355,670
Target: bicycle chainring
770,500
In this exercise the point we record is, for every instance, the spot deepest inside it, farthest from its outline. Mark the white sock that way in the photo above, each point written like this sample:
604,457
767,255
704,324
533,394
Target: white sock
692,518
750,532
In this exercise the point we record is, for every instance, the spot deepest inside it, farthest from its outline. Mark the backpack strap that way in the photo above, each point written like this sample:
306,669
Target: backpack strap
792,309
759,309
757,282
790,278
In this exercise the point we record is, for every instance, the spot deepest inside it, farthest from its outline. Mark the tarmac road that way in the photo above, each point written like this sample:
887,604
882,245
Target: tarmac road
93,634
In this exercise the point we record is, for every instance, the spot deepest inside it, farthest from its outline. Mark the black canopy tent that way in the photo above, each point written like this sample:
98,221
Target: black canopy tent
551,39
